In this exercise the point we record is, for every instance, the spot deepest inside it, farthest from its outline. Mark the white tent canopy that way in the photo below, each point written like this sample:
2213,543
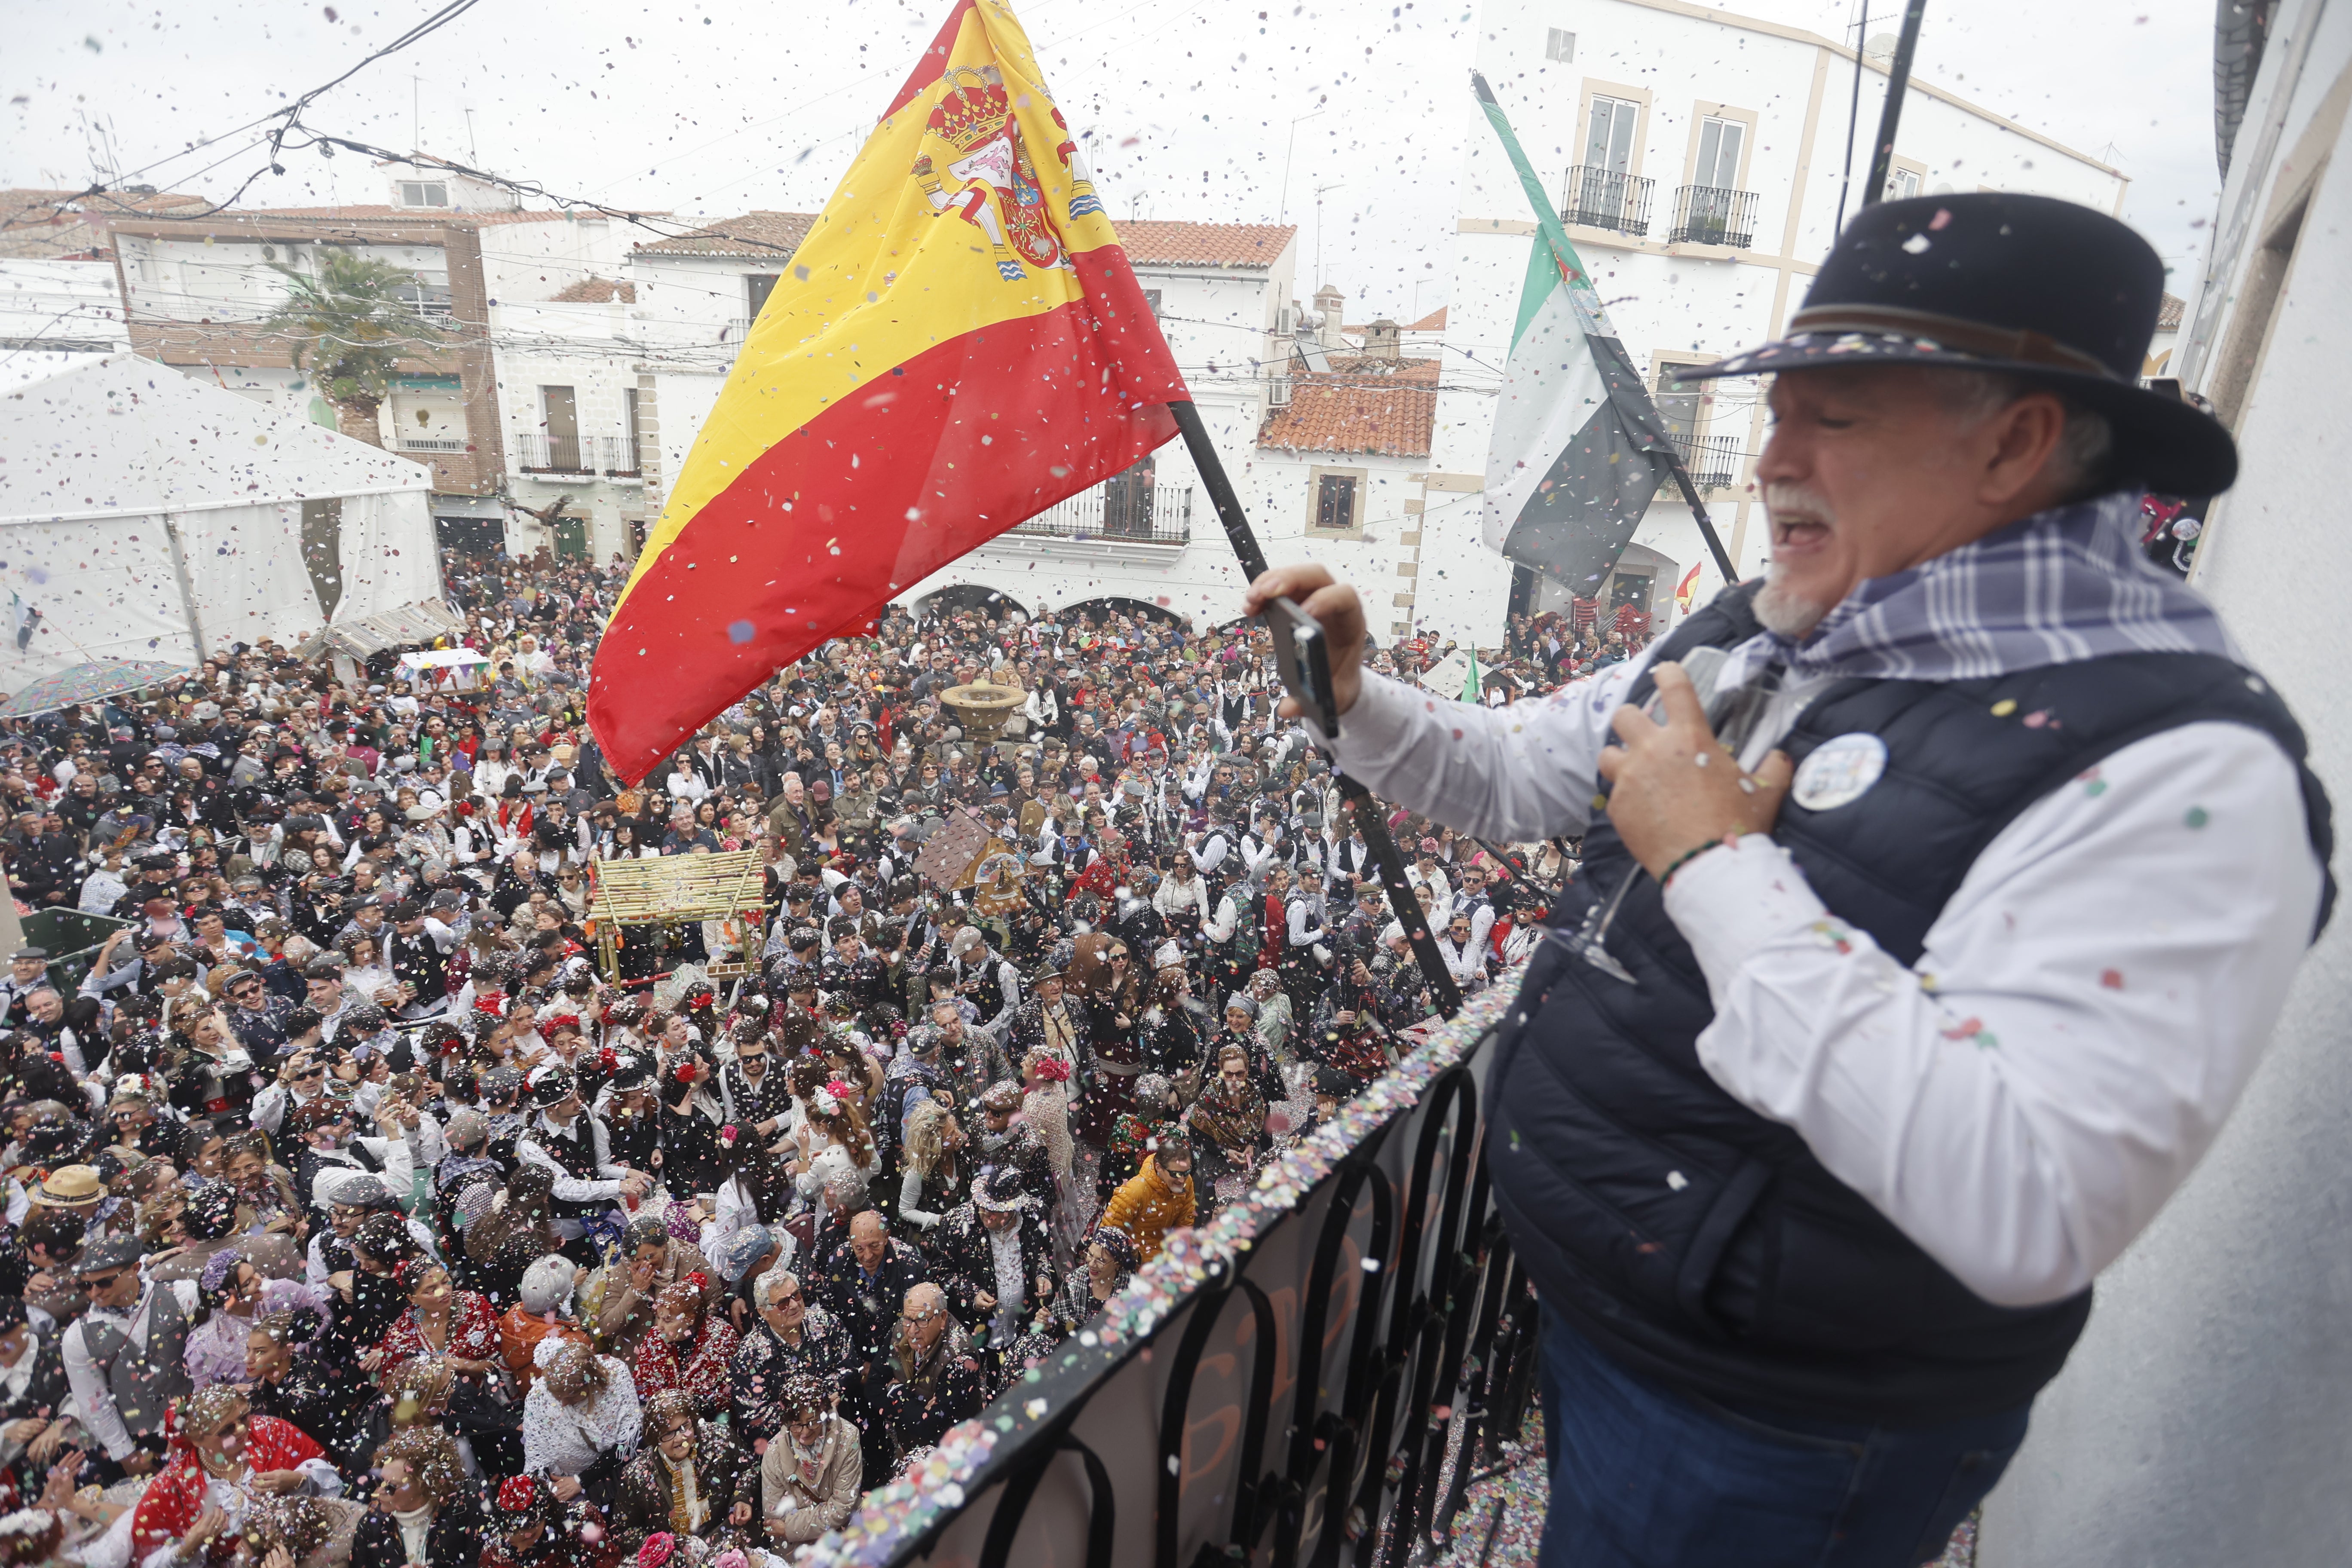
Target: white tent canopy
144,514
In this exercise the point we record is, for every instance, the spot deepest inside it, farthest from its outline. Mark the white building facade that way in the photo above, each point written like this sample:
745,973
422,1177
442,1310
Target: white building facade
521,395
1697,159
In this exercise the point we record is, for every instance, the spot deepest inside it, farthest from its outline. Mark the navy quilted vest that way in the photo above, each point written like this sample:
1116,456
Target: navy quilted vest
1704,1245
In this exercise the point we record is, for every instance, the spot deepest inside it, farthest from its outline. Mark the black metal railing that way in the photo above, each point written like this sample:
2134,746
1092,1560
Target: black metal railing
1710,215
1605,198
1118,509
616,455
536,452
539,453
1307,1389
1713,460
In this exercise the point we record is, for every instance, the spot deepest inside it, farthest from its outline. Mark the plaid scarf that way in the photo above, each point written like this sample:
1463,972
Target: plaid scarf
2062,586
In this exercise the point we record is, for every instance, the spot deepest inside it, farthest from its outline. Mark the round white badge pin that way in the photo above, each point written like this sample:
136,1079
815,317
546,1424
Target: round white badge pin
1841,770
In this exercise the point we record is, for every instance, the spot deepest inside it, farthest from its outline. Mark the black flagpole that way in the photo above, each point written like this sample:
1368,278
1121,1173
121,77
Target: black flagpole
1369,821
1898,78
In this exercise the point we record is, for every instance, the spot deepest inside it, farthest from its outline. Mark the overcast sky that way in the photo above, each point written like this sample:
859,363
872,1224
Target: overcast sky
713,109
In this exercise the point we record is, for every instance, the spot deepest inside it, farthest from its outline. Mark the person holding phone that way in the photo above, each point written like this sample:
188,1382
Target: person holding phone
1840,1078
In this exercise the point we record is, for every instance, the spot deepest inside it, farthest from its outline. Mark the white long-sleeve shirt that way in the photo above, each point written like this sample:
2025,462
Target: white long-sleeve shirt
1174,898
2088,1006
88,1381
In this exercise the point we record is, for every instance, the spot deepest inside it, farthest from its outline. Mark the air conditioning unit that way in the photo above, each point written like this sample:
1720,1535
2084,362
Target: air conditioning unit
1277,391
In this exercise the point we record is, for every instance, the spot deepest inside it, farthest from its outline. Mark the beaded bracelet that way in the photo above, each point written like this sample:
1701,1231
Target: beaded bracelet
1688,855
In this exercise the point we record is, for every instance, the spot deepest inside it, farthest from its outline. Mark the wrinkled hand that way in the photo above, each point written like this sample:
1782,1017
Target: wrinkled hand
740,1514
44,1446
278,1480
24,1431
566,1488
985,1301
1673,786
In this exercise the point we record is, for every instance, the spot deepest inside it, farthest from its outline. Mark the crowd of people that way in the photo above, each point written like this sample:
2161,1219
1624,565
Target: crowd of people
354,1204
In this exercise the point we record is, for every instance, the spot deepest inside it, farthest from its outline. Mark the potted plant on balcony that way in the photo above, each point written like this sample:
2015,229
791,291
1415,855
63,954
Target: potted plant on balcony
349,325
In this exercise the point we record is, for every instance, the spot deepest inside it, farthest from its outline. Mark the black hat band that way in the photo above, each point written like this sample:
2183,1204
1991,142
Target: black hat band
1951,332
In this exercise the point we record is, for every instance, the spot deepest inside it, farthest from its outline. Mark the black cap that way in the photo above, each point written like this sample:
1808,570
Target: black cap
104,1257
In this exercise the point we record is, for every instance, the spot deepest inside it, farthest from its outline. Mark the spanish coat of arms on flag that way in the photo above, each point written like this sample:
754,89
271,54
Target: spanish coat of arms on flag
957,345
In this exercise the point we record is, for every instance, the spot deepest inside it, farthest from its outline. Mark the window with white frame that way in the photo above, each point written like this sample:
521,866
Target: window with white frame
1560,45
1902,183
1719,145
1609,134
423,194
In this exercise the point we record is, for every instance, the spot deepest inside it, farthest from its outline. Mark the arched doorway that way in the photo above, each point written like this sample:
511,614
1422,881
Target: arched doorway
958,597
1102,610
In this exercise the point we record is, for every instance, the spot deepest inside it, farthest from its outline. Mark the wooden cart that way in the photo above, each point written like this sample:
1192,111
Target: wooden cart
671,891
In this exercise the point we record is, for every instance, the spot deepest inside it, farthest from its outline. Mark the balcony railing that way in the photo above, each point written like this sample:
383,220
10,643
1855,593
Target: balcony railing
539,453
1710,215
617,455
1603,198
738,329
1118,512
432,444
1713,460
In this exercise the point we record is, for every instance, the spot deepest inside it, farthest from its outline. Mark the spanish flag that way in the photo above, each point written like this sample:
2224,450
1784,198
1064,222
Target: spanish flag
958,345
1687,591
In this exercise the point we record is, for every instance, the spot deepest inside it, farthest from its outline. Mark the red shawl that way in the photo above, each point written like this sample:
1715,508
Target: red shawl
701,1376
176,1496
473,1335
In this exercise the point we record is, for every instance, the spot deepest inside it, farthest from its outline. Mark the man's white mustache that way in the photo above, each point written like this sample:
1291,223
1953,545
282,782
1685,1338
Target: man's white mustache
1782,499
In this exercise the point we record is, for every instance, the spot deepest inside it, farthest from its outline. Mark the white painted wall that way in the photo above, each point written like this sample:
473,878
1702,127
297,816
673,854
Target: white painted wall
533,261
2201,1418
57,302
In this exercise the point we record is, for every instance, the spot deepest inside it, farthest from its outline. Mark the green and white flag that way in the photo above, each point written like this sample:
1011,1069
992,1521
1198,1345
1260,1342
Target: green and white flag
1578,448
1471,685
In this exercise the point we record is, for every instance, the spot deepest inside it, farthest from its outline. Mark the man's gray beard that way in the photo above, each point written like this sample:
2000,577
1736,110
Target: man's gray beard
1778,609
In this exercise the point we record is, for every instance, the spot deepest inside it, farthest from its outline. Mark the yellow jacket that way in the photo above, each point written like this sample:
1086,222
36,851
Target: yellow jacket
1147,1209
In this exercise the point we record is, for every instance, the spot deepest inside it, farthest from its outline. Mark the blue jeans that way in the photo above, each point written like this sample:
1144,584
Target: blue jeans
1645,1476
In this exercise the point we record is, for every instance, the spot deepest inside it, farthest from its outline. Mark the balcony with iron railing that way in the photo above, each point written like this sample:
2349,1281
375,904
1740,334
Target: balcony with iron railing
1711,215
1117,511
1606,199
537,452
1713,460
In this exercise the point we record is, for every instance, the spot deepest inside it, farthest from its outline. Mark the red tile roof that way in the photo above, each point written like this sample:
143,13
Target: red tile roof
1433,323
1169,244
772,235
595,290
2168,313
67,225
1363,403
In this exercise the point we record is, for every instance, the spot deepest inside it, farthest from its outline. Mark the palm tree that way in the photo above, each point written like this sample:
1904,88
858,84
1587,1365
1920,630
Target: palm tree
354,321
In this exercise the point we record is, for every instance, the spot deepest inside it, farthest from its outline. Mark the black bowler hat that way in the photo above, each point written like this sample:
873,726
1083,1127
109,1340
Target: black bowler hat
2027,285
